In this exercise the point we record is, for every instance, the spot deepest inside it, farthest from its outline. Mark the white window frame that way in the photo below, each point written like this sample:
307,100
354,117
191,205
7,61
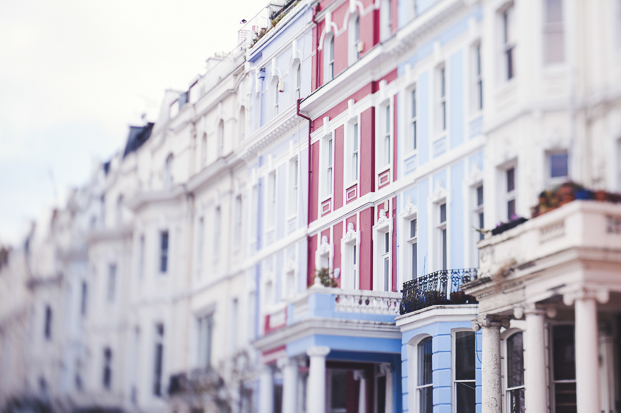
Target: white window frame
507,195
200,245
385,131
271,201
238,222
353,37
253,226
454,381
217,233
204,150
382,227
350,245
204,334
477,77
329,56
353,158
413,122
506,17
221,137
242,123
477,209
442,118
159,340
112,281
296,79
550,29
163,252
442,229
418,387
275,97
327,175
507,390
386,19
550,181
293,184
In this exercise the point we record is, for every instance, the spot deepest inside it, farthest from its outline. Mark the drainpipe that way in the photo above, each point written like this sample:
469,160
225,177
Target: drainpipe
310,169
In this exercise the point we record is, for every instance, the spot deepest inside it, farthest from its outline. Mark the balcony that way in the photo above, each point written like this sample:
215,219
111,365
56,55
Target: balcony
438,288
334,303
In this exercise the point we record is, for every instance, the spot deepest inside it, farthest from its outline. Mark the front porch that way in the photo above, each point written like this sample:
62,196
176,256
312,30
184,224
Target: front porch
549,295
332,350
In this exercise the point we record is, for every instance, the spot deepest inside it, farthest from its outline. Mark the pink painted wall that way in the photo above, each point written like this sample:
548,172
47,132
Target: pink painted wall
337,235
341,107
314,183
395,15
339,159
366,249
367,151
352,219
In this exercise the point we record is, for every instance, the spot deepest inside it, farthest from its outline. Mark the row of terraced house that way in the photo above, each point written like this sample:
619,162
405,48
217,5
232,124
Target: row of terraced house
307,227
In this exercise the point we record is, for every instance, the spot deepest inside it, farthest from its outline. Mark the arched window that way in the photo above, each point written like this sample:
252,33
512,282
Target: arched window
204,149
296,80
242,123
329,57
424,379
221,138
275,96
354,38
168,178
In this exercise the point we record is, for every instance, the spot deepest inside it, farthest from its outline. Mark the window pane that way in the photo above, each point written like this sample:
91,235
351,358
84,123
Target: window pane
386,242
442,213
515,361
414,103
510,179
564,353
480,195
426,399
554,11
466,397
414,260
511,209
412,228
386,273
414,135
387,119
354,255
481,224
464,356
444,259
425,362
558,165
516,401
355,137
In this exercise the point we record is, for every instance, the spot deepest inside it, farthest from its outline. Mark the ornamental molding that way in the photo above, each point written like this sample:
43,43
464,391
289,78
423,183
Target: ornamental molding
475,177
325,247
410,210
351,235
270,132
383,222
601,295
439,194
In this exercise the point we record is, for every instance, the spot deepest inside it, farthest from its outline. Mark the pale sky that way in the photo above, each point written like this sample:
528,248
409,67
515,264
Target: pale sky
74,74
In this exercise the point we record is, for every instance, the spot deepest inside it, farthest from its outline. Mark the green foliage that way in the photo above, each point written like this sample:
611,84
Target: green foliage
326,279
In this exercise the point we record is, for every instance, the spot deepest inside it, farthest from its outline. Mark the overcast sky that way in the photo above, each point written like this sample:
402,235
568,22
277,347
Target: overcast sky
74,74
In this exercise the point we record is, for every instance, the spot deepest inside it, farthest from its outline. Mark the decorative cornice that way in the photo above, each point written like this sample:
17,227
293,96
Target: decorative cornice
273,130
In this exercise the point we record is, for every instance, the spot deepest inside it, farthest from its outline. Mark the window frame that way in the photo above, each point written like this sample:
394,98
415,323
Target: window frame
508,45
158,367
413,121
507,389
164,252
204,337
510,196
350,245
443,238
111,282
326,186
477,78
550,180
441,107
551,28
329,56
417,386
412,240
352,163
454,380
293,184
553,381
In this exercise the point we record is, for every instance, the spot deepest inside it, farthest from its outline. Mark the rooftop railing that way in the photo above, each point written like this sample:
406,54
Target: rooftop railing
438,288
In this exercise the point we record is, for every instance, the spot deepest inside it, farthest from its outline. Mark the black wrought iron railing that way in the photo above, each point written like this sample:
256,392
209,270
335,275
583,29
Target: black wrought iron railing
438,288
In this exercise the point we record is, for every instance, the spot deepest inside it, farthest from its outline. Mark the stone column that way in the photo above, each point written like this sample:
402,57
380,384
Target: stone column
362,394
386,368
535,376
587,349
289,369
266,390
490,365
316,400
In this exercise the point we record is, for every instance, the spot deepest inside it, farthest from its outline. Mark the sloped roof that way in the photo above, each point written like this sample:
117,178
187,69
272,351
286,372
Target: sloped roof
138,135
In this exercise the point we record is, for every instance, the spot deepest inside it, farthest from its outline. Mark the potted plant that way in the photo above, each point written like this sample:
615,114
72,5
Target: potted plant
458,297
